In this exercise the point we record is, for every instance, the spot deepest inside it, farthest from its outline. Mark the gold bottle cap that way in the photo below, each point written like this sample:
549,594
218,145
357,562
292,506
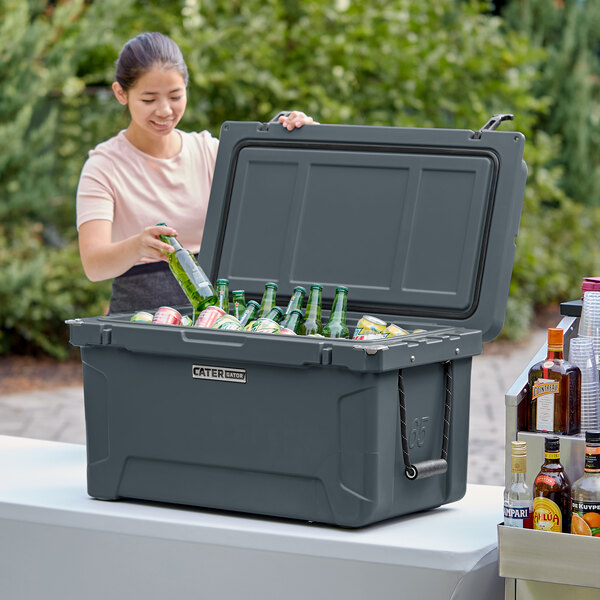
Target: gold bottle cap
519,448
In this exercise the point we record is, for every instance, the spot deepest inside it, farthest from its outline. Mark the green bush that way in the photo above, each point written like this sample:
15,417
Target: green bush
40,288
422,63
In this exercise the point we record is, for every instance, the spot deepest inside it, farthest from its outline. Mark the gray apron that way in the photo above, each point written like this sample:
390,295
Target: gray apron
146,287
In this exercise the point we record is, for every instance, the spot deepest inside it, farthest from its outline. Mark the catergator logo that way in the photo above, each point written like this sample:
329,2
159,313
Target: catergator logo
219,373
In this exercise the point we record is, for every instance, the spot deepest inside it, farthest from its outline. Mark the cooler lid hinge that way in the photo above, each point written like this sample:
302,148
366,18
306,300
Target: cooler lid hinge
493,123
106,336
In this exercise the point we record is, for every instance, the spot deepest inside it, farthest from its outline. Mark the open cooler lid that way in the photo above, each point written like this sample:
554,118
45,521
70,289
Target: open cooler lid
417,222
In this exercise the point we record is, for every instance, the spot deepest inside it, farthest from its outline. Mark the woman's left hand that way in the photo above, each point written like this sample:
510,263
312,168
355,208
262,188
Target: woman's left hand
296,119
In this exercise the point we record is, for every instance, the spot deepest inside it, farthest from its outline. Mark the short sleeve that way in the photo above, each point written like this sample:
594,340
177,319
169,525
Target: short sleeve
95,193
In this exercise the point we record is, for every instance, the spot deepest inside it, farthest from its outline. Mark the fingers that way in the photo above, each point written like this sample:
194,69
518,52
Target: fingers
295,119
152,246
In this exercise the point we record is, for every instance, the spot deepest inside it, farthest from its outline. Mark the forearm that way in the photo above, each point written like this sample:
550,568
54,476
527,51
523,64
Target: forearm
110,260
104,259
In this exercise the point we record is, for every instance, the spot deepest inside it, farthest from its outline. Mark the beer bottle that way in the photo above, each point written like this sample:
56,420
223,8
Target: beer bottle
190,276
238,303
269,299
312,320
223,294
292,322
552,492
296,300
585,493
250,312
336,326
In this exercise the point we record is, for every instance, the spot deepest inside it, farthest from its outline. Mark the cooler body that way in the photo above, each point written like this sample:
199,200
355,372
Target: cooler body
306,435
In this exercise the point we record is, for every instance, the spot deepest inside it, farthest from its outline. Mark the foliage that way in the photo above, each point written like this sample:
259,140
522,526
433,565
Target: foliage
422,63
40,287
569,30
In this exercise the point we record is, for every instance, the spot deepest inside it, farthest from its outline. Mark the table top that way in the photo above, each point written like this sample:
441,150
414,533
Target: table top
45,482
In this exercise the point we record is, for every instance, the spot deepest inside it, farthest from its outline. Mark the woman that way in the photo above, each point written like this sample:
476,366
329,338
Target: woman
148,173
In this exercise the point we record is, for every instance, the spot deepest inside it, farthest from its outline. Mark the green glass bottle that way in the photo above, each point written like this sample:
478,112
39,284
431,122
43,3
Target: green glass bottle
269,299
238,303
190,276
223,294
336,326
292,322
312,319
270,322
249,314
296,300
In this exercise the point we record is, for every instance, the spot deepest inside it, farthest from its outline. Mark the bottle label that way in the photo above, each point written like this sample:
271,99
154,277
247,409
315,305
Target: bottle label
546,515
544,392
518,513
585,518
549,481
592,459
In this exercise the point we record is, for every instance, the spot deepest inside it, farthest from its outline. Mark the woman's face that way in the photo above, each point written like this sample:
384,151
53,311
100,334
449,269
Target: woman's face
156,102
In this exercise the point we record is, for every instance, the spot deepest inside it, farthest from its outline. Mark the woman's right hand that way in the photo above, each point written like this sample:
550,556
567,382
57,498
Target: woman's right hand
104,259
151,246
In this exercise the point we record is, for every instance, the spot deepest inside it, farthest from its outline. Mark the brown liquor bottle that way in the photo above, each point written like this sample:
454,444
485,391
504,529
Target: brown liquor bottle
552,492
554,391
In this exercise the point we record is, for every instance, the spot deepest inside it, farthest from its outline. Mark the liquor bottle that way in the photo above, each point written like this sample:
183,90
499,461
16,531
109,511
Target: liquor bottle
312,319
238,303
554,391
518,499
223,294
292,322
336,326
190,276
585,492
250,312
296,300
269,299
552,492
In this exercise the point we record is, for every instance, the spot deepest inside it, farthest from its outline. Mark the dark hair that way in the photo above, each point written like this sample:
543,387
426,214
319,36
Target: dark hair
143,52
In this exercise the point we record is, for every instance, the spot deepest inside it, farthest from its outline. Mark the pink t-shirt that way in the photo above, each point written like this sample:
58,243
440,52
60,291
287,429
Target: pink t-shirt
133,190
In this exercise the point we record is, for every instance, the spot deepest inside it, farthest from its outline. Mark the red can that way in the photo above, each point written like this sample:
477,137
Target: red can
208,316
167,316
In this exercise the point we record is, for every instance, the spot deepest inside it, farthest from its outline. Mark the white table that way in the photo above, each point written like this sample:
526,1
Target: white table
58,543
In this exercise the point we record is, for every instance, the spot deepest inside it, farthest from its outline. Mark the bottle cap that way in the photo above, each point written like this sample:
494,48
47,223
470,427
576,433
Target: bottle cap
271,284
295,310
341,288
223,281
299,288
555,338
519,448
317,286
592,437
552,444
253,303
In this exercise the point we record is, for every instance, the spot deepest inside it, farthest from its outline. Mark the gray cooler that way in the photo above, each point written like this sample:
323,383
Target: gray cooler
420,224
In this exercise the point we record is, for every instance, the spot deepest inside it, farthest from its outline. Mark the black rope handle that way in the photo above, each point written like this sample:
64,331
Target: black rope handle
427,468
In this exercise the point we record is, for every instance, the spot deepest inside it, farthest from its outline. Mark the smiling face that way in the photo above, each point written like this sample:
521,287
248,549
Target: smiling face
156,104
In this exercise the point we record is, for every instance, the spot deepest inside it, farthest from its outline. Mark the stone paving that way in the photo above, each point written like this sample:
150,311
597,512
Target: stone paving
58,414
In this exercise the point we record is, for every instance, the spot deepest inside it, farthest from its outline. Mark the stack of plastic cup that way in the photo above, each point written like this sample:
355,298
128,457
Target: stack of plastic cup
589,324
581,354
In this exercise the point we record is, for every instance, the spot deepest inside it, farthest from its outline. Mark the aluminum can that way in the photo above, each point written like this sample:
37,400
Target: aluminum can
208,316
419,330
369,324
227,322
370,335
142,317
264,325
286,331
392,330
167,316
